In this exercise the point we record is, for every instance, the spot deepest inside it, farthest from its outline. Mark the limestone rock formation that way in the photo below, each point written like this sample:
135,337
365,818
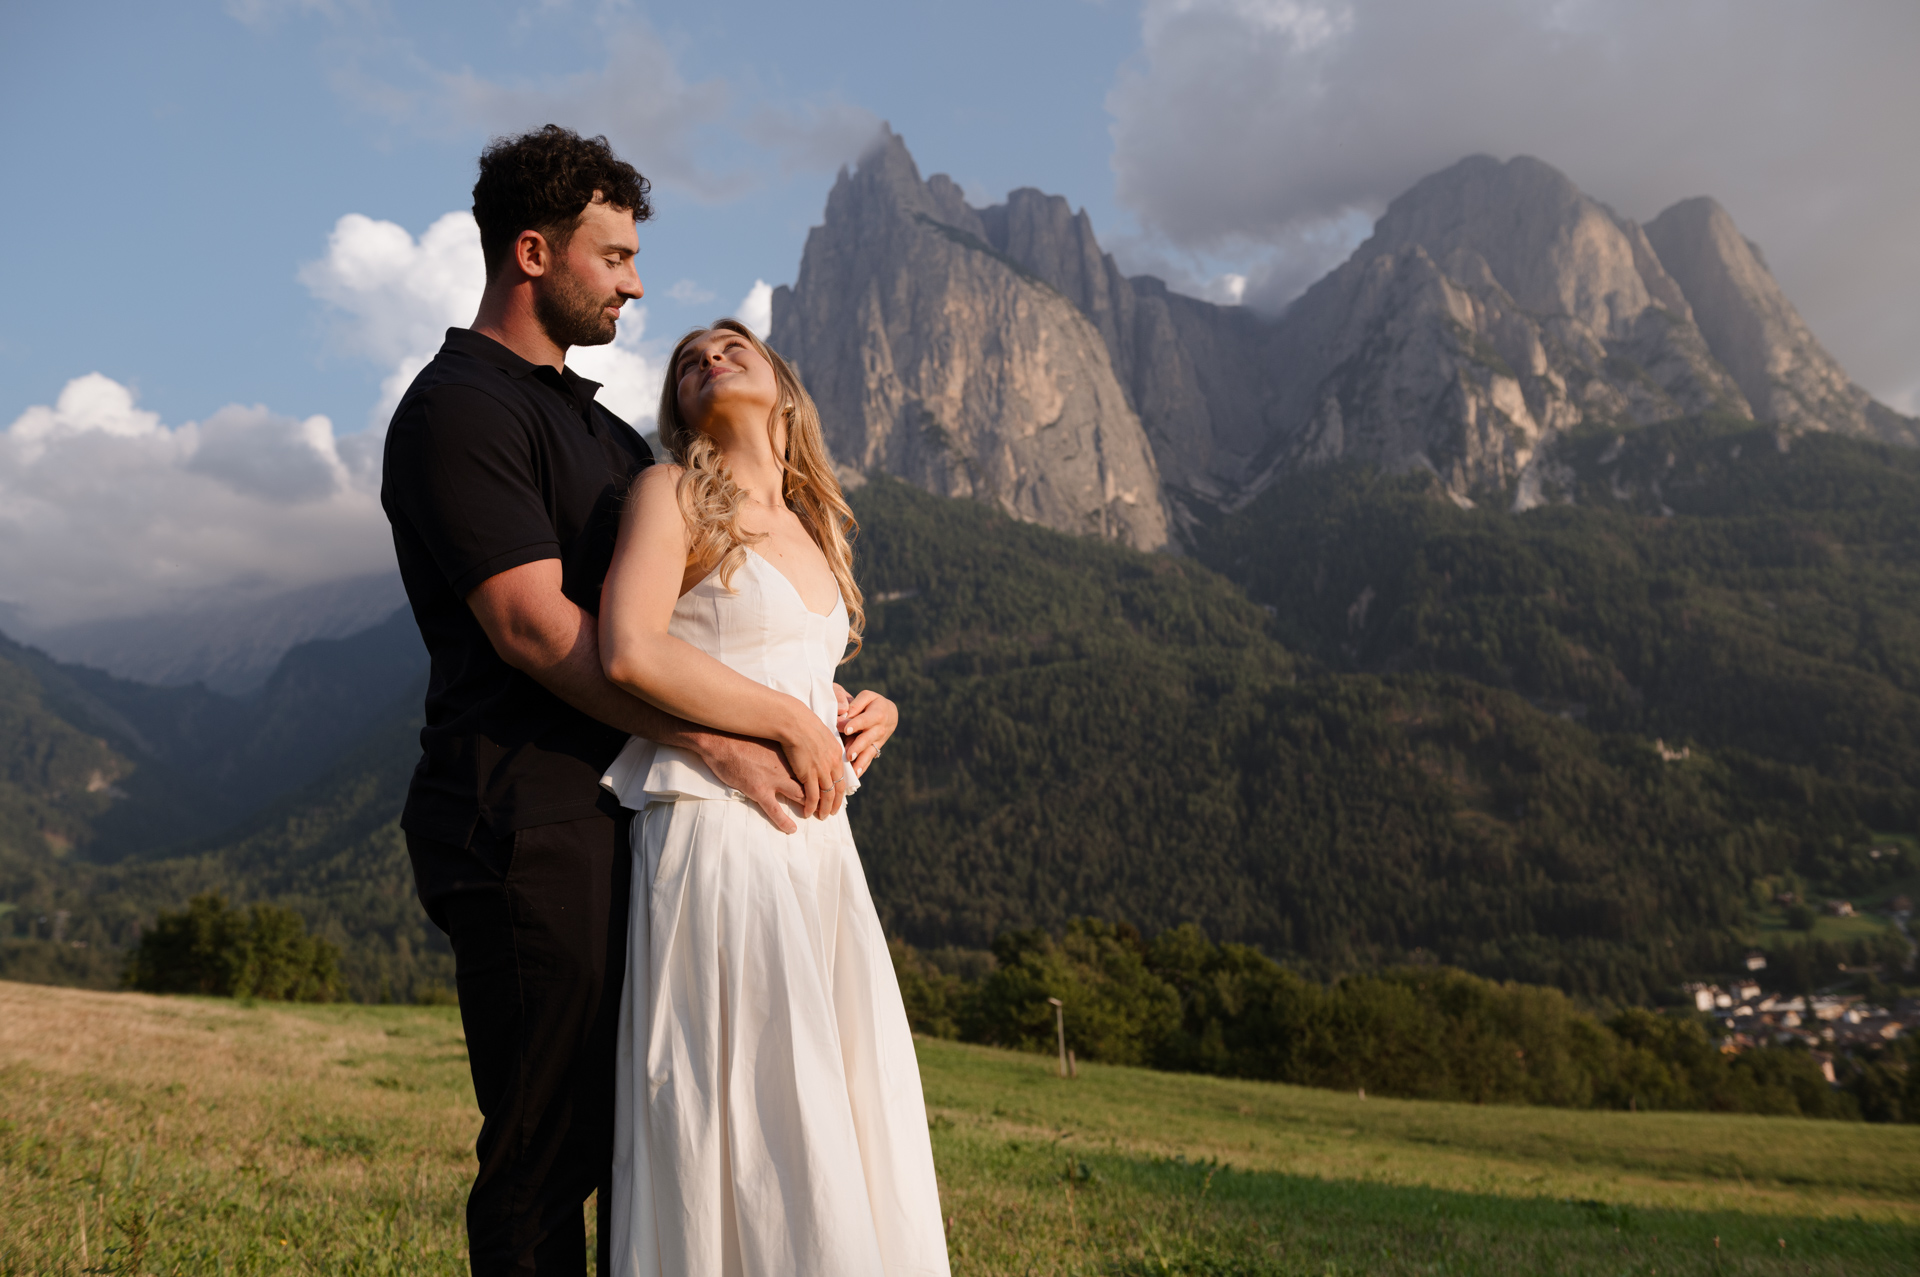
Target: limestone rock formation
1755,332
935,357
1199,375
1494,306
999,353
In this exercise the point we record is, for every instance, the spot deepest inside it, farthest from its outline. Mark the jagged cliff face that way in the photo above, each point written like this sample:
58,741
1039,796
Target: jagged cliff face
1755,332
999,353
939,359
1493,307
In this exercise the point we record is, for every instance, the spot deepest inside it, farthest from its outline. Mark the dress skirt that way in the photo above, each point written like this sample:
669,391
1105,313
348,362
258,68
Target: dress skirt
769,1116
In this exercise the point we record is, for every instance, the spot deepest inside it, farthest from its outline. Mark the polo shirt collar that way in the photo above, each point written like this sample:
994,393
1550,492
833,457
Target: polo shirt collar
480,346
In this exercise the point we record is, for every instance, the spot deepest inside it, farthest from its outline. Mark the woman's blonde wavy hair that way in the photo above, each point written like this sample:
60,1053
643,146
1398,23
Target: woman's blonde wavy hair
710,500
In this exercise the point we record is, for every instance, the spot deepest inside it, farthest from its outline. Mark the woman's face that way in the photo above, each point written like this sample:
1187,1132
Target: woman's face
720,371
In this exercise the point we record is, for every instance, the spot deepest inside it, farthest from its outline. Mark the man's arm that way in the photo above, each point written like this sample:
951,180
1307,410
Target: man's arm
548,637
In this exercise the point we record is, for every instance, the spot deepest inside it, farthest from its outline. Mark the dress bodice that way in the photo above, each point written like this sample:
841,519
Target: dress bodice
762,628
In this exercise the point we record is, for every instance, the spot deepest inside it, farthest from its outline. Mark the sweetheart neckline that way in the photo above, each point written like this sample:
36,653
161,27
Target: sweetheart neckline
839,599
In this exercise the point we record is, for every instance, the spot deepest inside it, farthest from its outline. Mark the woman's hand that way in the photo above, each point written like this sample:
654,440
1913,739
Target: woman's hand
813,754
866,723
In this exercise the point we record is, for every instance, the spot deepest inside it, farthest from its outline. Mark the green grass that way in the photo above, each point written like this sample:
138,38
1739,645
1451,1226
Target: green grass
201,1136
1771,928
1201,1175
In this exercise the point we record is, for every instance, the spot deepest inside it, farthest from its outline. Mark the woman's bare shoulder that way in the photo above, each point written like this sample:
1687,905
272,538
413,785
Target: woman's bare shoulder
660,472
653,498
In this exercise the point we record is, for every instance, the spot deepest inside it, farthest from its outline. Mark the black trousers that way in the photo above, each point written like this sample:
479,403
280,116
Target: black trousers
538,922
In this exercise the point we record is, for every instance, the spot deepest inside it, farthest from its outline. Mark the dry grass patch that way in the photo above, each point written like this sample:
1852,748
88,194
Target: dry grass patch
194,1135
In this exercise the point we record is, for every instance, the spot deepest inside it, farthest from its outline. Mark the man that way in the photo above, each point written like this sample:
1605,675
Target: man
503,481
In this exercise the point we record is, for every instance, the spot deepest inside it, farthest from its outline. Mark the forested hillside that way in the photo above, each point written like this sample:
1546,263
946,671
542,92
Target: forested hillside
187,762
118,799
1120,735
1436,740
1715,584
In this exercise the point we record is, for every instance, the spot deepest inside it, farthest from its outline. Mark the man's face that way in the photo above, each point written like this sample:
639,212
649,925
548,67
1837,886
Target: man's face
579,299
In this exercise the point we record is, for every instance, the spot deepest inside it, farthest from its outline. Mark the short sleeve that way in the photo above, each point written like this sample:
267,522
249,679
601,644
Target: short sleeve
462,472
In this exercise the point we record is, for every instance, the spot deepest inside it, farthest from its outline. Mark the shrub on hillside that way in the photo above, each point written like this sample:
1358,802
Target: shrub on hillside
1183,1003
1117,1009
262,951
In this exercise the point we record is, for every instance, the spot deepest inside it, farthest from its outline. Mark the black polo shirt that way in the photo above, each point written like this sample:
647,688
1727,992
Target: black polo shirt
493,462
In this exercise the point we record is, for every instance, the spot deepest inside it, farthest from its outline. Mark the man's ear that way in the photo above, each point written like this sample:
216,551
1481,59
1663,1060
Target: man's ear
532,253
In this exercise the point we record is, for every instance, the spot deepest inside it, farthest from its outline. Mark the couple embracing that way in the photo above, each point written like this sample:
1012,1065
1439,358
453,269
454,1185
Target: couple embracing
629,817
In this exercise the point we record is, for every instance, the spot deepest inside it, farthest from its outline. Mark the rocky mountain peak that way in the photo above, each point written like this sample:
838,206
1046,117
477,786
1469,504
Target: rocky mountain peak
1525,226
884,177
998,352
1755,331
937,357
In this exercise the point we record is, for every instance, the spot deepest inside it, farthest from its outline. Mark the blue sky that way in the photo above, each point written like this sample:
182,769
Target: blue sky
186,162
232,241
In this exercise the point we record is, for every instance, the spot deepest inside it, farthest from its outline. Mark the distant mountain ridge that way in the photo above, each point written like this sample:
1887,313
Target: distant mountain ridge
1495,309
1432,737
231,647
937,357
1434,741
108,768
1000,354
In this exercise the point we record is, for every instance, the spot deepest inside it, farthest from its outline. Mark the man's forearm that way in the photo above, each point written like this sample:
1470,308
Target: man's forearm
552,640
578,679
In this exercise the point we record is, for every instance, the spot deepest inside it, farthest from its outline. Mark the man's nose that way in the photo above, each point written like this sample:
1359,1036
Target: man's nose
636,289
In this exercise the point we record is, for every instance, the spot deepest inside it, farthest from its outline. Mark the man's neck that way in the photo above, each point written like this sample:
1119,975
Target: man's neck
507,316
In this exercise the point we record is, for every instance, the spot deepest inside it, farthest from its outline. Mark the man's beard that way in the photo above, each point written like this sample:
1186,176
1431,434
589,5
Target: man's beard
571,314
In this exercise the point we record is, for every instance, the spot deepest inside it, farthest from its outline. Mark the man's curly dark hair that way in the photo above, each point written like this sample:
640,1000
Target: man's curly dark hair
542,181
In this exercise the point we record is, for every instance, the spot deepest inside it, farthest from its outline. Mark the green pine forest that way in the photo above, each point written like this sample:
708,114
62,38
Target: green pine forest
1358,728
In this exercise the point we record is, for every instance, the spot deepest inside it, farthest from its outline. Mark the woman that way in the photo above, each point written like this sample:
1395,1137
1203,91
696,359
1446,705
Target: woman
770,1119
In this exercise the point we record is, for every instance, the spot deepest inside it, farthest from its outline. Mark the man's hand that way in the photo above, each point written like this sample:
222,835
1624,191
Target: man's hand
539,631
757,769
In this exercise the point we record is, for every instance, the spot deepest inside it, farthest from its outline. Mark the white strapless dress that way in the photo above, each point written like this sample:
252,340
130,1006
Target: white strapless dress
769,1115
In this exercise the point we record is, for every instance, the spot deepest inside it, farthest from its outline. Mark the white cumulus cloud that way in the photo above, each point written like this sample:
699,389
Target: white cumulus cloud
756,308
394,297
629,370
1269,129
107,511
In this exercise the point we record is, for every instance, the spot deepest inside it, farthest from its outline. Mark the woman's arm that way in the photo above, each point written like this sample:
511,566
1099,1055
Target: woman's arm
639,655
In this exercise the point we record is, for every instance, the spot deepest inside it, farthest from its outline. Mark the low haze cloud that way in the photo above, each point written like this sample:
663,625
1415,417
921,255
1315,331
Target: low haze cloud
705,138
639,99
1272,128
106,511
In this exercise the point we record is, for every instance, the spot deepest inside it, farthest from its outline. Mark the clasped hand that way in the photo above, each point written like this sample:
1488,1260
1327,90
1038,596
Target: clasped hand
809,769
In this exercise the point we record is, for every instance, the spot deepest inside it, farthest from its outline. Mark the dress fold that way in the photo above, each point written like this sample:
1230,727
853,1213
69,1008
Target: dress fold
770,1121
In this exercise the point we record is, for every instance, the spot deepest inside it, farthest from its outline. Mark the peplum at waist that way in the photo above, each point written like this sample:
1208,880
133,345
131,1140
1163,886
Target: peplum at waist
648,772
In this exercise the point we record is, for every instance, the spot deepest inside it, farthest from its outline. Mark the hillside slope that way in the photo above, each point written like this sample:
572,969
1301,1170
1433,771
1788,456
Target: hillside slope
1093,731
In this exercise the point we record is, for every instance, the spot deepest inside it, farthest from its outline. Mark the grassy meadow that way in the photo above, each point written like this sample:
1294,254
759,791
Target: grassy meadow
173,1135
